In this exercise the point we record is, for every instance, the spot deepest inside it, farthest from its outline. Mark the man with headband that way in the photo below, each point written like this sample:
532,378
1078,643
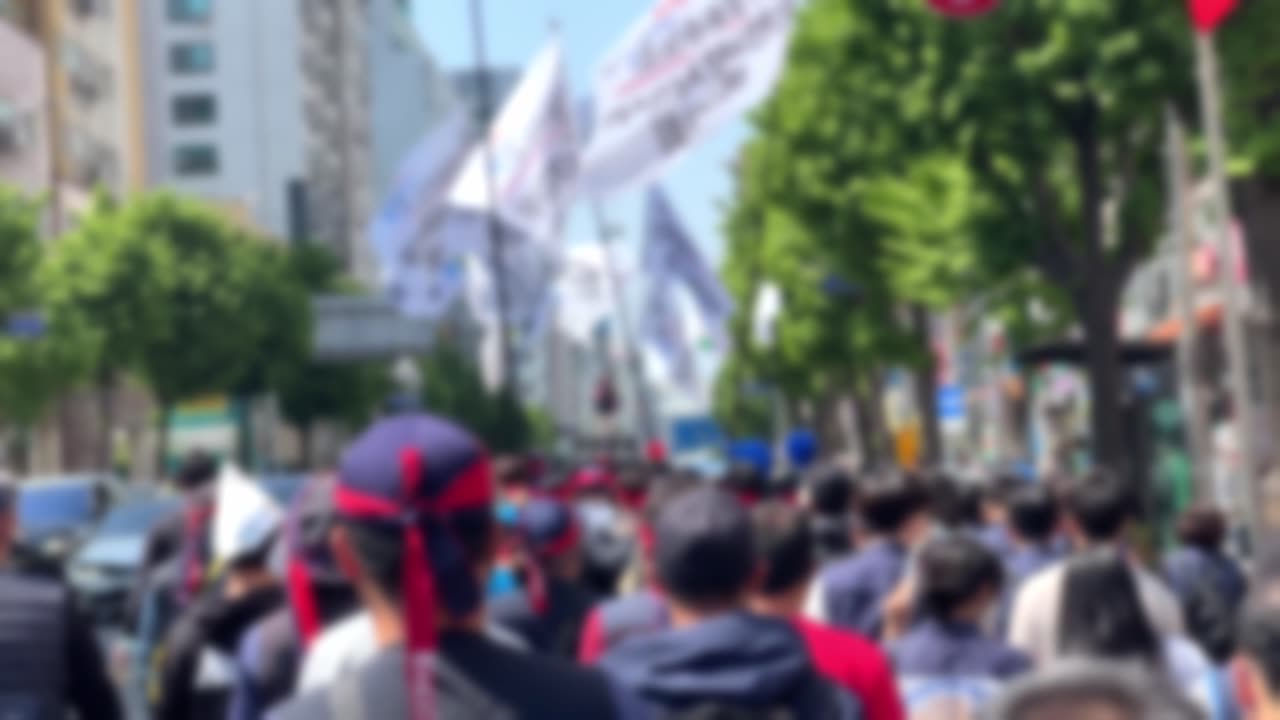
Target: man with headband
416,535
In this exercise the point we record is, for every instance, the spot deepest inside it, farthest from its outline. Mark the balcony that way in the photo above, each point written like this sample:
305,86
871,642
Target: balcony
17,129
90,163
89,77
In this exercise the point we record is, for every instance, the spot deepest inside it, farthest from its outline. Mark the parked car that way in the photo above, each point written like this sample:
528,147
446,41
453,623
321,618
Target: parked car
104,569
55,513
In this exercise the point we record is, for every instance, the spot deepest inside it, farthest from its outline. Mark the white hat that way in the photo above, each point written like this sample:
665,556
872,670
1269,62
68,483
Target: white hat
246,517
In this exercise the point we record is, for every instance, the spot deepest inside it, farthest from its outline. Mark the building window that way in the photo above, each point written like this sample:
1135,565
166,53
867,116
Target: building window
191,110
192,58
195,160
190,10
90,8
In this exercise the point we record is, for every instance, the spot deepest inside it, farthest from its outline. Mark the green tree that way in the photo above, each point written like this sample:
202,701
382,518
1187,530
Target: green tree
1055,108
33,371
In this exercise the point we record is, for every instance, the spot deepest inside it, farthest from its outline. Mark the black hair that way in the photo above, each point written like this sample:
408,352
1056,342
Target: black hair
1259,640
953,504
953,571
1000,488
256,559
1033,513
1202,526
1101,615
704,547
636,477
1101,505
832,492
889,499
198,469
744,477
380,544
784,546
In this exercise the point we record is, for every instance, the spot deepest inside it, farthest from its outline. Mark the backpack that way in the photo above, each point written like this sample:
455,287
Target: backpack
1210,618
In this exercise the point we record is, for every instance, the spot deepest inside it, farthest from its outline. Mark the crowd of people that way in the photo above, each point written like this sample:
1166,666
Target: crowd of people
419,579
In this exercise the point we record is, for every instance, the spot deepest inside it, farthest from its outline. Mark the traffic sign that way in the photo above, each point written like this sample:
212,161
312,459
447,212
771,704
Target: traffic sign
964,8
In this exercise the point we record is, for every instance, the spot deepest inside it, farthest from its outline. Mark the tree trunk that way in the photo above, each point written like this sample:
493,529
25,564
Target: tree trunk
926,389
162,438
1097,307
106,418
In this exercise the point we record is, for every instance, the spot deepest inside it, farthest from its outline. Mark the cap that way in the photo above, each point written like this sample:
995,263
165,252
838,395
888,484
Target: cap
703,545
417,471
245,519
548,527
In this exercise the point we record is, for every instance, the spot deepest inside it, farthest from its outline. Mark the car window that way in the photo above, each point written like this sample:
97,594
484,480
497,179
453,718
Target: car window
136,517
54,507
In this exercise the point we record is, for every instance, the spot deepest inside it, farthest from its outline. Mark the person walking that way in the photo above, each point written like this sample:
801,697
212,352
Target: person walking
945,659
895,516
416,536
1099,511
51,659
786,557
549,609
1208,582
717,659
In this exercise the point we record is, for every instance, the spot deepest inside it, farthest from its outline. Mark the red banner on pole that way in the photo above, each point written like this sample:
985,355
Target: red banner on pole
963,8
1207,15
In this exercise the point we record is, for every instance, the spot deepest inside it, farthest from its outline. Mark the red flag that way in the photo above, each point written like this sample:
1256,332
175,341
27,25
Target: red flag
1207,15
963,8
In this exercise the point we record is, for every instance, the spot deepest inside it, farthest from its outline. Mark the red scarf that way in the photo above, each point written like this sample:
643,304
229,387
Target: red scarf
470,490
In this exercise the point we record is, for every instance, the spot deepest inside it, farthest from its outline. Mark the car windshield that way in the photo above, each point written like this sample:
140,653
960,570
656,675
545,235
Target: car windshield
136,517
42,508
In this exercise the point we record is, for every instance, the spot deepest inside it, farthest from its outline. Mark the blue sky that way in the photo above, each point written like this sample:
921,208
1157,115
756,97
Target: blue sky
516,29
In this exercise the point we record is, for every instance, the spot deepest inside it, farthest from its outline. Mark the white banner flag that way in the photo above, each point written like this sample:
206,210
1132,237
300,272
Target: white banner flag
663,329
534,155
669,252
583,295
678,74
420,269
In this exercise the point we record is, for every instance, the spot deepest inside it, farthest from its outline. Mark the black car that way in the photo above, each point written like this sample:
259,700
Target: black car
56,513
105,567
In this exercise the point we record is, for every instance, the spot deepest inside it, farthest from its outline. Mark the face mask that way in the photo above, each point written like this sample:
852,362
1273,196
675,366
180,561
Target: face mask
507,513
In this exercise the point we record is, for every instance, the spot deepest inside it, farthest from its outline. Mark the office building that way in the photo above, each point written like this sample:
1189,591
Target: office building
24,137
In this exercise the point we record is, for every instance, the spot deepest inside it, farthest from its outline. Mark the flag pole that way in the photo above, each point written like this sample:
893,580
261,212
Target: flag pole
496,240
1233,297
1184,295
605,234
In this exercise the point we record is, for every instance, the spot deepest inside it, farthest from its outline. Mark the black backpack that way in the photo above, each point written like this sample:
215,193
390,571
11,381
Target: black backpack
1210,618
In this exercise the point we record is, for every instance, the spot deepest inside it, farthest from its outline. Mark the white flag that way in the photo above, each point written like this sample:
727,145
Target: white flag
680,72
669,252
584,297
419,267
663,329
533,152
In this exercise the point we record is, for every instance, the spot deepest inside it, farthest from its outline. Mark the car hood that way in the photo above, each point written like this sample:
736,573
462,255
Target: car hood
119,551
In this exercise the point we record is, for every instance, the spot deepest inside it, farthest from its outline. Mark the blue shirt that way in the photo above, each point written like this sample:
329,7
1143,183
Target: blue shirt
1187,567
856,587
936,647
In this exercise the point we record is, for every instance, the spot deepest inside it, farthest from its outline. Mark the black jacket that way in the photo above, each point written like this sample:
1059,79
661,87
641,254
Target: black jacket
738,662
216,625
554,631
50,661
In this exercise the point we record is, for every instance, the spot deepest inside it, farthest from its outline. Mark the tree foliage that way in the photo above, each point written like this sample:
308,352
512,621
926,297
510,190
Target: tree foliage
931,161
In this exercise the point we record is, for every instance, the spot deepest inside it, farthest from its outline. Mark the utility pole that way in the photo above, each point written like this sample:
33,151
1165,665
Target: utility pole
605,234
496,240
1193,407
1233,292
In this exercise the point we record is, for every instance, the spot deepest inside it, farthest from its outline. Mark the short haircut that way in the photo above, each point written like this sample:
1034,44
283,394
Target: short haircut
832,492
889,499
1259,640
703,547
198,469
1202,526
1101,504
1033,513
784,546
954,504
380,544
1001,488
953,570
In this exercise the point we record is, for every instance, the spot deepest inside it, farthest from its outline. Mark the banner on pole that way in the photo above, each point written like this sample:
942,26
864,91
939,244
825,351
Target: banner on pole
679,73
663,329
669,252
